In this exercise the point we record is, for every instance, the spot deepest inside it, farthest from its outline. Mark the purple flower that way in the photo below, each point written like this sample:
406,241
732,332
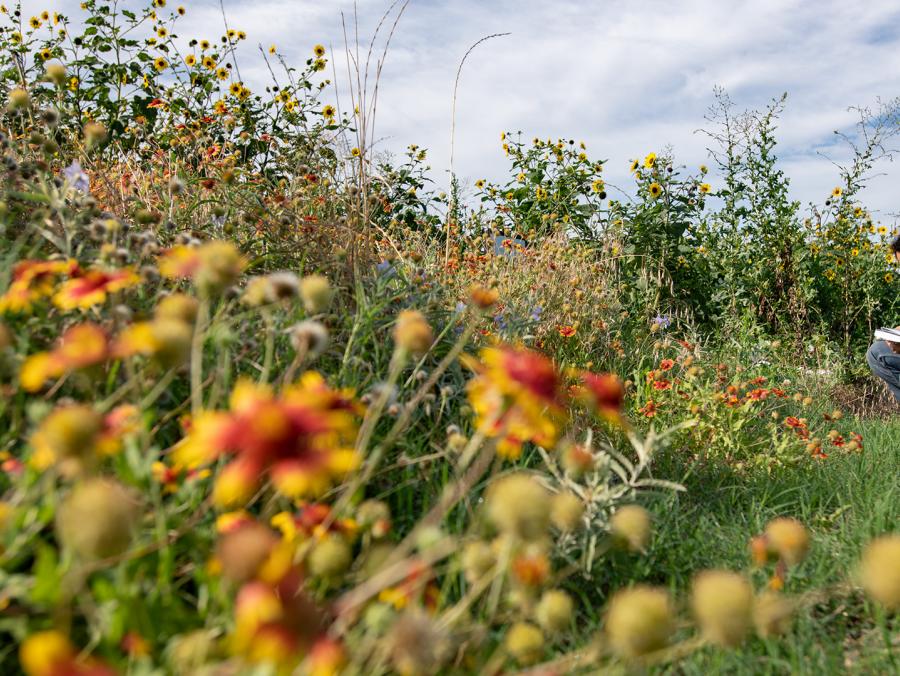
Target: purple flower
76,178
386,269
662,321
536,313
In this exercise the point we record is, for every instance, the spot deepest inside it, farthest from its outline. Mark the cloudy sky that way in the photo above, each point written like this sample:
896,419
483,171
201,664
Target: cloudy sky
626,76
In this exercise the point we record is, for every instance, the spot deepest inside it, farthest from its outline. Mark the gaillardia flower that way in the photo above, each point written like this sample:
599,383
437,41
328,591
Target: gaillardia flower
33,280
302,439
92,288
517,397
80,346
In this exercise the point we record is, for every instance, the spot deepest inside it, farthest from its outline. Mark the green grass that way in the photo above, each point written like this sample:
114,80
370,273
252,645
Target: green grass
845,500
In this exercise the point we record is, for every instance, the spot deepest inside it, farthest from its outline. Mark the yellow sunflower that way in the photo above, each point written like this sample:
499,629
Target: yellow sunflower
319,51
160,64
655,190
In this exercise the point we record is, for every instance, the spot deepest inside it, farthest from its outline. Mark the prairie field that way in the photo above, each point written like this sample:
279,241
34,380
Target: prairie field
274,401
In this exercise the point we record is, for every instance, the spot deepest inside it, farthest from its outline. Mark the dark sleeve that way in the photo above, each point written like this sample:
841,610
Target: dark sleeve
895,245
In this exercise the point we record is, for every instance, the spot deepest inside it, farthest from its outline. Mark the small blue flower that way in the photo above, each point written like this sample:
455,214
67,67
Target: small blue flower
385,268
662,321
536,313
76,177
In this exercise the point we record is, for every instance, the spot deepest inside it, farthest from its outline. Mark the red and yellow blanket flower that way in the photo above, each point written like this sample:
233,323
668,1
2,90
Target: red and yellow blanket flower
93,287
603,393
33,280
80,346
517,397
301,439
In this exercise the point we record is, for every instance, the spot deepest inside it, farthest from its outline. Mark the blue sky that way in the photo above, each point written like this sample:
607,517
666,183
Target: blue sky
626,76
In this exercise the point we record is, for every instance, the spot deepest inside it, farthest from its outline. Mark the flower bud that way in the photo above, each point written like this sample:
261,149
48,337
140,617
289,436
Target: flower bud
309,338
566,510
18,99
722,602
483,297
554,611
177,306
577,460
243,551
55,73
630,527
787,538
97,519
94,134
524,642
375,516
639,621
172,341
220,265
316,294
71,431
879,570
330,557
477,560
456,442
518,505
412,332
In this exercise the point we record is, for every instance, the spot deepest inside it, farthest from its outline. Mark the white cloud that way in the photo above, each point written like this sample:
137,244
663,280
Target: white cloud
626,76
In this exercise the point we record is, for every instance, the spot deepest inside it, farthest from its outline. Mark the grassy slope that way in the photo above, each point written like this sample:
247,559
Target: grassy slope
845,500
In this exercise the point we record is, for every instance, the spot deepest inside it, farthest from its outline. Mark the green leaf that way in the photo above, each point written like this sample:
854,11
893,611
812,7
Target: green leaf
47,576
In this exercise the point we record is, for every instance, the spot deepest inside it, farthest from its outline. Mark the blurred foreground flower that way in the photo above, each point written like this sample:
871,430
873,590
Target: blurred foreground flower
213,266
80,346
880,570
301,438
50,653
93,287
33,280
